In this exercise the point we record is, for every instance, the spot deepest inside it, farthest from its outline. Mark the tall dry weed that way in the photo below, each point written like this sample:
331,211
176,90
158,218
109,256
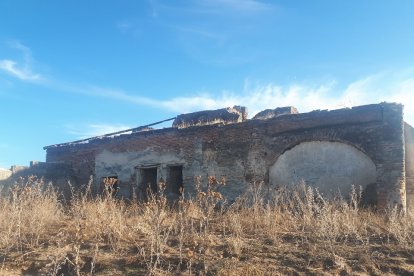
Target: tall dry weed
28,213
192,235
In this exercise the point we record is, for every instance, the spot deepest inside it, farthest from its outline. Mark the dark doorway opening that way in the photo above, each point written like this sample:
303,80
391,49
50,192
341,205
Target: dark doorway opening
175,179
149,180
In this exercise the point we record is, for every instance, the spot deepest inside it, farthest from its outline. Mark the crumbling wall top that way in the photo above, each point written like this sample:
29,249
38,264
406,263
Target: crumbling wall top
273,113
229,115
238,114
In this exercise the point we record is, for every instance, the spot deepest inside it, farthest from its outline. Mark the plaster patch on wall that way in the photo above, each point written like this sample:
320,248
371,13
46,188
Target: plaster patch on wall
333,167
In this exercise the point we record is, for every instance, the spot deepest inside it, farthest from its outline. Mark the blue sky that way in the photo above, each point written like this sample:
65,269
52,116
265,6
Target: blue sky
73,69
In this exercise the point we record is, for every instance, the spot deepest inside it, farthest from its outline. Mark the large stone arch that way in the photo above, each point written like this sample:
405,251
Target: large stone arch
332,167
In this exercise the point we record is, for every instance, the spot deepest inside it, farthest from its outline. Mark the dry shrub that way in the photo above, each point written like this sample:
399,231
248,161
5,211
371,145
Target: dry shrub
28,213
193,235
401,225
101,219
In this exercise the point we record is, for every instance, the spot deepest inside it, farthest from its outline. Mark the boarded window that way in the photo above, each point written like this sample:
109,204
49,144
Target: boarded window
175,179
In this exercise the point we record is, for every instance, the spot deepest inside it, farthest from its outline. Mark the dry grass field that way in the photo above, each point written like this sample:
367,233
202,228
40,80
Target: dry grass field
264,232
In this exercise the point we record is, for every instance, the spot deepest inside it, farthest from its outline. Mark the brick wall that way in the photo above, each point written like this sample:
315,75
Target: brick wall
243,152
409,164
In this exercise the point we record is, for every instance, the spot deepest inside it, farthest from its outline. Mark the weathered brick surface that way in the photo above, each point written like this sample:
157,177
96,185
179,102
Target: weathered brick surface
243,152
409,164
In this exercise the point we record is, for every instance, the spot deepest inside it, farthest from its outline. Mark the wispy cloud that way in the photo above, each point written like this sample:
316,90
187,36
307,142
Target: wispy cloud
372,89
213,7
216,32
91,130
21,70
388,86
250,6
125,25
393,86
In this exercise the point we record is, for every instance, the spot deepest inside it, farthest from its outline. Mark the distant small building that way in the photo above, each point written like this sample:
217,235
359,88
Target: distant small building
368,146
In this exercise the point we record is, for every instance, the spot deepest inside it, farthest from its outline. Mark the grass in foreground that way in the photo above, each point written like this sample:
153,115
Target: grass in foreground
265,232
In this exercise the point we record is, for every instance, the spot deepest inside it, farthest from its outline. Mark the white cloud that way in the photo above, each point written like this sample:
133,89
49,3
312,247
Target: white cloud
250,6
92,130
118,94
22,70
388,87
125,25
23,73
391,86
213,7
377,88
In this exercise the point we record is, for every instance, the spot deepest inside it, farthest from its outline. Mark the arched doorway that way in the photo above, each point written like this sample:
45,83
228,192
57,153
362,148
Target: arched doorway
332,167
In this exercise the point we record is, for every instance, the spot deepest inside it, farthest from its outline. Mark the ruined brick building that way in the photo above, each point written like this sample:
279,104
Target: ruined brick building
368,146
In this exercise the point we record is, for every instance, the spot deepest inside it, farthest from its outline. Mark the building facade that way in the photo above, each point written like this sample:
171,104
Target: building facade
368,146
